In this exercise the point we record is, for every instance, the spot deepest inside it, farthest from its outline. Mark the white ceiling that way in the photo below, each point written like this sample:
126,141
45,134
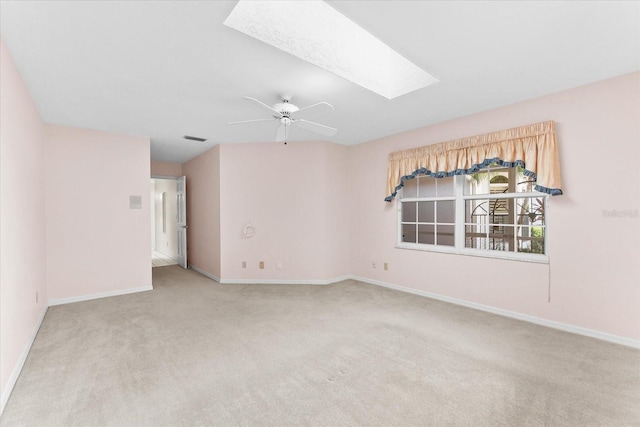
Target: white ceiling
165,69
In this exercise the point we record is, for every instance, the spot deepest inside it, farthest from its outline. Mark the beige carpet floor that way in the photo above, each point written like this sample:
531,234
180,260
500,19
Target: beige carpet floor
193,353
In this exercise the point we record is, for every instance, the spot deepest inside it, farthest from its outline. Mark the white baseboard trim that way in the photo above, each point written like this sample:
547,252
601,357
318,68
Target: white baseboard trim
514,315
284,281
269,281
204,273
23,358
59,301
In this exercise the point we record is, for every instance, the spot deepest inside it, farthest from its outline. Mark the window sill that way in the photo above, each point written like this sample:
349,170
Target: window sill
534,258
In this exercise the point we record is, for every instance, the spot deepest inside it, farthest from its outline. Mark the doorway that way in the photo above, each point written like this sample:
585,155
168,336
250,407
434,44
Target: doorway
168,221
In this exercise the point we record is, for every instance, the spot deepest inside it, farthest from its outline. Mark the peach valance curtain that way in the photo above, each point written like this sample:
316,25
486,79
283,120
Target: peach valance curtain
533,147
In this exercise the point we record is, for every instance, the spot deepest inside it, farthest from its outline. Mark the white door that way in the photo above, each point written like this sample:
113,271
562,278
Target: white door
182,220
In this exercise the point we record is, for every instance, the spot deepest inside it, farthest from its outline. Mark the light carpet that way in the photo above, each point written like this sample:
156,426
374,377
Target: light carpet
193,352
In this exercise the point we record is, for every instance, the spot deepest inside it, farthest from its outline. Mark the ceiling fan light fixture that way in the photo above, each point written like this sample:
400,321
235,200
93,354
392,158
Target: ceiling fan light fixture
317,33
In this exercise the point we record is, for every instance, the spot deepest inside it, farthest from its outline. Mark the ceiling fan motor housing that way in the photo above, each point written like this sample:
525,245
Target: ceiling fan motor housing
285,108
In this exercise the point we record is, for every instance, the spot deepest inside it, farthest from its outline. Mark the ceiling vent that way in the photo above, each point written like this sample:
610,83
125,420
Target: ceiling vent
194,138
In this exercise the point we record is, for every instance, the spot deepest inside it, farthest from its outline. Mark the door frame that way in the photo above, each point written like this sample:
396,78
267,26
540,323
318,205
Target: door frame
184,263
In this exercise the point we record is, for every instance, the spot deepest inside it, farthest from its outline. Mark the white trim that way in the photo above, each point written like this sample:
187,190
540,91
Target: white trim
483,253
204,273
60,301
23,358
629,342
270,281
285,281
169,177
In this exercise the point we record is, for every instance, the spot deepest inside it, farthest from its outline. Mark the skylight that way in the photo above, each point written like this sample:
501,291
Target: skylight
314,31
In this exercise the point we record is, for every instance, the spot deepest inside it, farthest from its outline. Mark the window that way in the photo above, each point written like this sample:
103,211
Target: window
494,212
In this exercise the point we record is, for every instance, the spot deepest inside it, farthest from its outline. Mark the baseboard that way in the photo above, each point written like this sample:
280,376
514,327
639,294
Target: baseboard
23,358
284,281
269,281
59,301
204,273
512,314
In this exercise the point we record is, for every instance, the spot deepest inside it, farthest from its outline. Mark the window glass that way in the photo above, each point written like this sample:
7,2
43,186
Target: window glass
409,211
503,219
410,188
426,234
524,184
531,240
446,211
409,233
426,212
445,186
530,211
446,235
426,186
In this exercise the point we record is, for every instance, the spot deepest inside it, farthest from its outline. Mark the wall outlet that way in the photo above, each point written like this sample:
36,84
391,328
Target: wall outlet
386,266
261,265
36,297
373,264
244,264
279,265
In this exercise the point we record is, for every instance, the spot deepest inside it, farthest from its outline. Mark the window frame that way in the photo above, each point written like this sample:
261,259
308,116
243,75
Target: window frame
460,225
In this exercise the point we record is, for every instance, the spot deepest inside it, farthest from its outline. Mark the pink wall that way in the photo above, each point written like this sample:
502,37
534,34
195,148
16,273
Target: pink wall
593,283
338,211
166,169
203,211
95,243
290,194
318,209
22,220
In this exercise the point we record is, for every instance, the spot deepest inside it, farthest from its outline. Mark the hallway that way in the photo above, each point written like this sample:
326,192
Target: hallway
160,260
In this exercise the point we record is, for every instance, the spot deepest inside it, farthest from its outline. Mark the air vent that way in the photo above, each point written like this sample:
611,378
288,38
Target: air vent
194,138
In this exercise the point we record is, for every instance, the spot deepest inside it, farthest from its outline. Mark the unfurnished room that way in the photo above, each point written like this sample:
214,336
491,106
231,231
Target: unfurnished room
319,213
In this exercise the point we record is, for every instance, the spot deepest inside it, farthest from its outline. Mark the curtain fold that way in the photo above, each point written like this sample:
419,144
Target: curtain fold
533,147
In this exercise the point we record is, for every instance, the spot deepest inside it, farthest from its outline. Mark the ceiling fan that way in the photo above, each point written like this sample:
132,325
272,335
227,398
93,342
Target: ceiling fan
286,114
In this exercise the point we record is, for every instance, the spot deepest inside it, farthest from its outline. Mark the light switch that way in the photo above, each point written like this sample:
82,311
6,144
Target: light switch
135,202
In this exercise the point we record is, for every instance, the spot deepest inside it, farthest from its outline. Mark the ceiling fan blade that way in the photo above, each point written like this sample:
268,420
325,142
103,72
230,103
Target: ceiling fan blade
316,127
251,121
314,105
264,106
